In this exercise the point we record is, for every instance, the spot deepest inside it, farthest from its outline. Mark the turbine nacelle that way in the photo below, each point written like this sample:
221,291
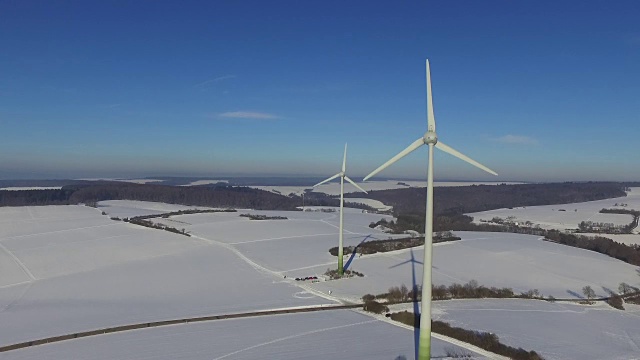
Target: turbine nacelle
430,137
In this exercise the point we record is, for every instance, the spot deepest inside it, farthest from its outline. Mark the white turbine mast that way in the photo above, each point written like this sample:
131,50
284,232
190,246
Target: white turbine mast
431,139
343,176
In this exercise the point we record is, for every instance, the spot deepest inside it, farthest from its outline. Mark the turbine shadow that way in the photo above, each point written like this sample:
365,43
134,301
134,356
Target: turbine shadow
414,298
573,293
355,250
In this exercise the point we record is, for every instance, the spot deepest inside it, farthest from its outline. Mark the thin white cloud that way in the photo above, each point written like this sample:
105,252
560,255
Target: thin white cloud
516,139
247,115
215,80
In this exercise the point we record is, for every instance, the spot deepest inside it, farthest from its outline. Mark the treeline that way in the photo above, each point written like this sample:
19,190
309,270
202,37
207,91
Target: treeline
375,246
35,197
40,183
627,253
474,198
185,212
214,196
415,222
221,197
634,213
263,217
458,222
151,224
224,197
484,340
470,290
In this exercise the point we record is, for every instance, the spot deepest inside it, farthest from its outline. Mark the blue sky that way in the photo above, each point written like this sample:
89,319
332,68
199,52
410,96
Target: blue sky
536,90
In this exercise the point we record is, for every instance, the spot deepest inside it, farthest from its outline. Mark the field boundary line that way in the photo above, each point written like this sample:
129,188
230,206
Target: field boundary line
130,327
24,267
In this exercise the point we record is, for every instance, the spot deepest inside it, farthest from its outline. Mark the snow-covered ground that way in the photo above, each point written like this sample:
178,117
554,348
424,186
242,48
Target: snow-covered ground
568,216
378,205
205,182
66,269
521,262
301,241
86,272
131,208
628,239
557,331
314,336
299,246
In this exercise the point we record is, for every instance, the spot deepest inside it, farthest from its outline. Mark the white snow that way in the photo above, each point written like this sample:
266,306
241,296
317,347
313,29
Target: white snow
131,208
627,239
378,205
78,277
553,216
521,262
314,336
554,330
205,182
66,269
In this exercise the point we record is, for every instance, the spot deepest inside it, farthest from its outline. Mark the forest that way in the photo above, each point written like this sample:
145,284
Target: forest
221,196
474,198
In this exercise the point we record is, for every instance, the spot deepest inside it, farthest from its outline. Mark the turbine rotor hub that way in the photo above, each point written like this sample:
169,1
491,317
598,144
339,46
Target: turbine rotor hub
430,137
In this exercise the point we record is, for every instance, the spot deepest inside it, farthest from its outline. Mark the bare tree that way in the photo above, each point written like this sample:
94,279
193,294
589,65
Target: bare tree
624,288
588,293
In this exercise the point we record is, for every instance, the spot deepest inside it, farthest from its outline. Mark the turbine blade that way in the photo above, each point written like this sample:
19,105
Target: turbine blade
450,150
344,159
356,185
416,144
431,119
327,180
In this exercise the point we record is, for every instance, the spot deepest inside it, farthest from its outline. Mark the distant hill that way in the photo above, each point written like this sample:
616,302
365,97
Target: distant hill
474,198
226,197
447,200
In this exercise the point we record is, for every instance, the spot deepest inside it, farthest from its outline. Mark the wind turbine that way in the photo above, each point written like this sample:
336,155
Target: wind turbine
343,177
431,139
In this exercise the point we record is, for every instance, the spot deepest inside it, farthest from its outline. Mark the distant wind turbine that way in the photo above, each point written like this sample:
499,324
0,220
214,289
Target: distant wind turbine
429,138
343,177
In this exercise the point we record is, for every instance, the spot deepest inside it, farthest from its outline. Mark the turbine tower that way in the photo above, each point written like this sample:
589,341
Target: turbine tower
343,177
429,138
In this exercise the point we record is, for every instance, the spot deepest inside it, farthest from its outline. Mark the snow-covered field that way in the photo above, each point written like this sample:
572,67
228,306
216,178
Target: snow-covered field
299,246
205,182
301,241
131,208
89,272
628,239
378,205
568,216
66,269
521,262
313,336
557,331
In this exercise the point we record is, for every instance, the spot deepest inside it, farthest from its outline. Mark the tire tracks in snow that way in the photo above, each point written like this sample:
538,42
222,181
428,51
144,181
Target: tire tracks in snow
22,266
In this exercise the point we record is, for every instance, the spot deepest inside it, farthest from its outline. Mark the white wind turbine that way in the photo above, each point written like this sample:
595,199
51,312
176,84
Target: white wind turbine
430,139
343,177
